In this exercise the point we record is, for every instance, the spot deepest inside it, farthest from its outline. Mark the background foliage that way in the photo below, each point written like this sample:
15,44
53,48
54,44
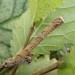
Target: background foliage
17,16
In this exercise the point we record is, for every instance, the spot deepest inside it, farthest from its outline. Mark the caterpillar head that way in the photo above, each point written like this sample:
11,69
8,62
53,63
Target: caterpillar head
8,63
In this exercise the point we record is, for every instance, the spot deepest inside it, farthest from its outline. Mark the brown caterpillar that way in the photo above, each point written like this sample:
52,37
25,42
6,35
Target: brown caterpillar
24,54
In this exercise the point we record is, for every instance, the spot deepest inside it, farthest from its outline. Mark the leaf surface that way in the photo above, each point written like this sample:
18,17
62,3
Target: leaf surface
69,63
35,66
42,8
60,36
54,41
10,12
11,8
20,32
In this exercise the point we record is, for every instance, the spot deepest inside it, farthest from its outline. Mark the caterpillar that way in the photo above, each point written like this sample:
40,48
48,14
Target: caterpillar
24,55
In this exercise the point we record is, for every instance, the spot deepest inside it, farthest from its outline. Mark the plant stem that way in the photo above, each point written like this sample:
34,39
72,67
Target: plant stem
29,35
55,65
26,43
14,70
48,69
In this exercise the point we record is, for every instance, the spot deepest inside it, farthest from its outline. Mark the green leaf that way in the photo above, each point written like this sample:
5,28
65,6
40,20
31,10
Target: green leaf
66,71
42,8
54,41
5,36
8,10
69,62
60,36
11,8
35,66
20,32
